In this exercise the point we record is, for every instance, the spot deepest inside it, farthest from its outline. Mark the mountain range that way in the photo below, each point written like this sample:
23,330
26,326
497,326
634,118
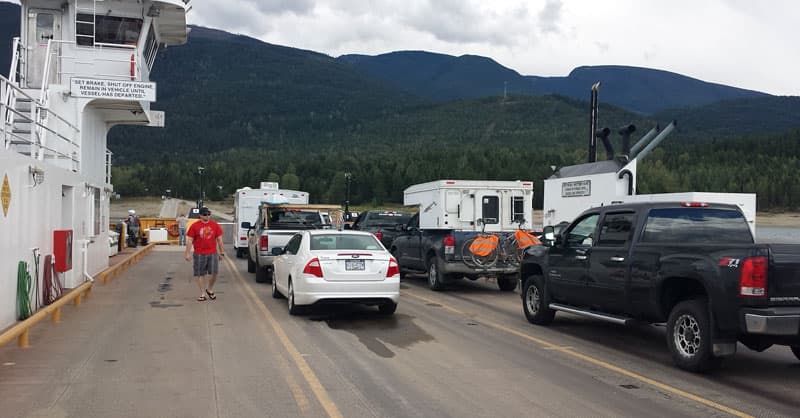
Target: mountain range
444,77
251,111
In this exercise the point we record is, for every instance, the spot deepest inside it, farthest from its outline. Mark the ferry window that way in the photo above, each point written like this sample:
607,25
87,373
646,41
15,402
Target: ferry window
490,209
517,208
107,30
95,211
150,47
44,27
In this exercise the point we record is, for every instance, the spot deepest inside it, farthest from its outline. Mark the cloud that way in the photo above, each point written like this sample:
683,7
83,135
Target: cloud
550,16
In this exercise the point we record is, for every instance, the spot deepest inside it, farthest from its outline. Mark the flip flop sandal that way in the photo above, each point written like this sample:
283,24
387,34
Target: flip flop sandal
201,299
211,295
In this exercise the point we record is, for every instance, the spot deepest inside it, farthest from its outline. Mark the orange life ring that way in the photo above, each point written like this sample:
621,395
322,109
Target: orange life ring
173,230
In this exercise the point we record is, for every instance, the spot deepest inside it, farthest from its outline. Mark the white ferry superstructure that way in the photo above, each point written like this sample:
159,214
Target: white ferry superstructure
79,68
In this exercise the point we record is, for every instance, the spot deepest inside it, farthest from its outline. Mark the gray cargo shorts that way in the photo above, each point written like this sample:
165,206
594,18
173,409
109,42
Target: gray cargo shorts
205,264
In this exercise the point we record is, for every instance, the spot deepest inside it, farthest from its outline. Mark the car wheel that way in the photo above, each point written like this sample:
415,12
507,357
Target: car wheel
239,253
435,277
275,293
534,302
293,309
251,265
689,336
387,308
796,351
507,283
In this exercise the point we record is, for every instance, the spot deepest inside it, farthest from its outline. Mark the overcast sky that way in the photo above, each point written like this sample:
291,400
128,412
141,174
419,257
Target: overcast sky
743,43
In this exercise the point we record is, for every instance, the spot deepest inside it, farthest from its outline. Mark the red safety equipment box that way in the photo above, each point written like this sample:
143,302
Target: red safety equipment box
62,249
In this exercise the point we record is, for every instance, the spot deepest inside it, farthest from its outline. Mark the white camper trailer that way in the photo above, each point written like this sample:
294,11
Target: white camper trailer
246,202
458,204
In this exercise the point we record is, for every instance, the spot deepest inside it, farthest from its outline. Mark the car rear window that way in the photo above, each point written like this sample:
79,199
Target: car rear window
387,219
696,226
295,218
344,242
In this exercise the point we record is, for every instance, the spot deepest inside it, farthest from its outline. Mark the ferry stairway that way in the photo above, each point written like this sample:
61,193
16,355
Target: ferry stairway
22,127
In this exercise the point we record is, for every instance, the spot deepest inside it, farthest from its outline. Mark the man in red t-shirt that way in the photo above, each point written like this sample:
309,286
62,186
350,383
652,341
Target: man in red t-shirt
205,236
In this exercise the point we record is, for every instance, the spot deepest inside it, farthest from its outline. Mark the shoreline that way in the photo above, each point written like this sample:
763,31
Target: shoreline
790,219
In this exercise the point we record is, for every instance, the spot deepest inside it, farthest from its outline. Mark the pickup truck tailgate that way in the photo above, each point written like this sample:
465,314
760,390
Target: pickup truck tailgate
784,275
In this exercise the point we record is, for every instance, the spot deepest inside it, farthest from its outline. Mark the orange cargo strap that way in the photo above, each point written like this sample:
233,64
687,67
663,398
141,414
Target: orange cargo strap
133,67
525,239
483,246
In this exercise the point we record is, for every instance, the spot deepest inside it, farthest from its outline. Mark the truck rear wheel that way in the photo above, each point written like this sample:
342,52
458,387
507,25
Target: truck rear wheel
262,274
435,277
507,283
689,336
534,302
251,265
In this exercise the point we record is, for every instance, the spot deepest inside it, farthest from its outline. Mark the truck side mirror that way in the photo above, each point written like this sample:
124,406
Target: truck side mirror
246,225
278,251
549,236
399,228
348,226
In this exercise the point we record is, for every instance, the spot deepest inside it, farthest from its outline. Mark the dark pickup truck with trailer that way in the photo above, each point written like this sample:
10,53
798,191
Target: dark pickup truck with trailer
692,265
384,224
440,254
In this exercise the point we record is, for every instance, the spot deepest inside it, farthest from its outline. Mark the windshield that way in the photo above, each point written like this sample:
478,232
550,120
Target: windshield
294,217
387,219
696,225
344,242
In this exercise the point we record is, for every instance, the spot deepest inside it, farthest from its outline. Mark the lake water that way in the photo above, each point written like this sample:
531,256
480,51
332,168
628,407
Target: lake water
778,234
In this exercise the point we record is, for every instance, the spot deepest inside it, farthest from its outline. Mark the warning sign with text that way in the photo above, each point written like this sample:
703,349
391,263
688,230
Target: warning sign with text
113,89
576,188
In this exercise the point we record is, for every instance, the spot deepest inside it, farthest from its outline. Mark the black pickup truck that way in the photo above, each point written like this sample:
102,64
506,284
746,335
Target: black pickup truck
385,224
440,254
692,265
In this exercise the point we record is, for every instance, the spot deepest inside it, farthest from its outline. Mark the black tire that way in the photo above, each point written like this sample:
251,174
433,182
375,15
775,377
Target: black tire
689,336
251,265
275,293
796,351
262,274
534,302
387,308
240,253
435,277
293,309
394,254
507,283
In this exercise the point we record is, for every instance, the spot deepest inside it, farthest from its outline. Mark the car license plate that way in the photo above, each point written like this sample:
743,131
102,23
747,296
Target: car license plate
354,264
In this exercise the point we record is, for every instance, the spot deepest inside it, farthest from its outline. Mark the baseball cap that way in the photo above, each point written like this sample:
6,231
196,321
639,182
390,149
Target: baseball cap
205,211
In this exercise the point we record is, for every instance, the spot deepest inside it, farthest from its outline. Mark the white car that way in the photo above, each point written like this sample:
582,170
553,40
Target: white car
329,266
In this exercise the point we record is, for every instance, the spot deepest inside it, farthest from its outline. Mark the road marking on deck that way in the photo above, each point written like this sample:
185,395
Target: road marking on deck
608,366
311,378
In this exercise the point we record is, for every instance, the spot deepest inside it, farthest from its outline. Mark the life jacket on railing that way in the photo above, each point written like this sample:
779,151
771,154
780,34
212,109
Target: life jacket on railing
484,245
525,239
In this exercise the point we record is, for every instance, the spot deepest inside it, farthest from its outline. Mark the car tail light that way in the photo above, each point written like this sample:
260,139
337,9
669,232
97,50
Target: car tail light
379,235
263,243
449,244
753,277
243,238
694,204
313,268
393,269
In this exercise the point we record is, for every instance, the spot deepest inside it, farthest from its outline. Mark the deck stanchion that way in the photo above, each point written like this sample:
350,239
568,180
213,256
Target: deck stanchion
55,316
22,340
